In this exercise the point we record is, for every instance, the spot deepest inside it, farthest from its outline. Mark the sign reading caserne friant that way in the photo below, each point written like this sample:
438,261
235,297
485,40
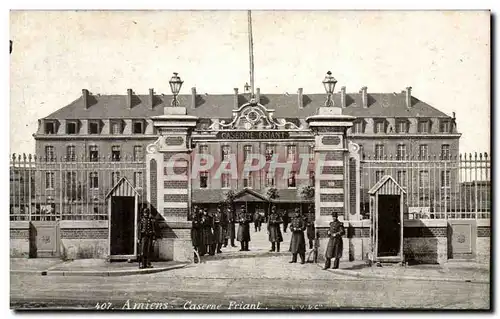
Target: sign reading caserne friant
252,135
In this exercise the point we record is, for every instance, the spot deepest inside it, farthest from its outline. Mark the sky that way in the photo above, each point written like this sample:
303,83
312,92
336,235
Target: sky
443,55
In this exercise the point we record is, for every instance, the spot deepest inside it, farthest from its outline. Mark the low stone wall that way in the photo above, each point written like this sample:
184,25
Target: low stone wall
19,239
483,241
176,241
425,241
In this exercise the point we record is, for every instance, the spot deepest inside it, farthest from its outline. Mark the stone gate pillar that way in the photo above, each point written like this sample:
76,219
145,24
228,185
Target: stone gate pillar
170,193
332,170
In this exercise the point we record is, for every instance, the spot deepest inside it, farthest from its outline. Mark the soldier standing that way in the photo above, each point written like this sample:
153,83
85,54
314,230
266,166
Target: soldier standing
257,221
311,231
218,231
195,229
244,229
206,233
298,242
285,219
335,245
231,226
273,229
146,237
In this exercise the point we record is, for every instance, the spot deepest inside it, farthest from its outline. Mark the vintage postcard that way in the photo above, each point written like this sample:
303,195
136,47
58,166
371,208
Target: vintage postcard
250,160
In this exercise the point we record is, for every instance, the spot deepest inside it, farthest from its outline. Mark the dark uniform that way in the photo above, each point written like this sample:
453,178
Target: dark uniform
219,235
207,236
244,229
196,229
335,245
285,219
298,242
257,220
273,228
311,231
231,226
146,237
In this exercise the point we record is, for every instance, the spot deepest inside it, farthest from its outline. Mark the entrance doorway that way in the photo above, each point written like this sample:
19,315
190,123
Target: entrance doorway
122,230
389,225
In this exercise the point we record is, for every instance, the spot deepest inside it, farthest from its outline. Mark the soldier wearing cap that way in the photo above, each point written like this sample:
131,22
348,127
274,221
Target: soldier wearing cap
146,237
196,228
244,220
298,243
207,236
273,229
335,245
311,232
231,228
219,235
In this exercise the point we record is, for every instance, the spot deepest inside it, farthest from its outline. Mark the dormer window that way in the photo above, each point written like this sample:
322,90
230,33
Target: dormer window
357,127
423,126
402,126
50,128
94,127
138,127
380,126
116,127
72,127
445,126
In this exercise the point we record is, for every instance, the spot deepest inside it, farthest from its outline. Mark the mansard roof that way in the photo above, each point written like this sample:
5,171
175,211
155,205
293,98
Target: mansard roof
222,105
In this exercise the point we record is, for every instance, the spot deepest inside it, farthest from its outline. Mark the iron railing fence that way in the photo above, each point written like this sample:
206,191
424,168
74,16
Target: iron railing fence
68,188
457,187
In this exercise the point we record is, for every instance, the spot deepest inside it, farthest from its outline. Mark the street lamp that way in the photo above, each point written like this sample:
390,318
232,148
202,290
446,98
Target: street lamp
329,83
175,85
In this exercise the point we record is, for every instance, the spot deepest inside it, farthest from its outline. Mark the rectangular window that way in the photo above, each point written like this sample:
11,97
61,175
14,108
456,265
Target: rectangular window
423,127
291,180
49,153
226,149
291,151
93,180
379,175
248,180
269,152
116,127
203,179
311,153
247,150
50,128
269,179
380,127
71,188
379,151
423,179
423,151
361,151
312,179
445,179
137,127
444,126
138,153
402,178
94,127
225,182
49,180
115,153
203,149
138,180
94,153
401,126
445,151
357,127
115,178
71,127
70,153
401,152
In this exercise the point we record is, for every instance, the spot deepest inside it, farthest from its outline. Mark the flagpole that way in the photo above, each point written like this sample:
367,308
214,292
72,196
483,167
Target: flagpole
250,47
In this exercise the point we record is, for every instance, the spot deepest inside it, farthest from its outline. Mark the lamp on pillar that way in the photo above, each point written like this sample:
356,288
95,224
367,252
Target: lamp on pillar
329,83
175,85
247,88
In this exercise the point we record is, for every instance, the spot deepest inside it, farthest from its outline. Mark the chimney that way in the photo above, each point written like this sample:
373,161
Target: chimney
342,97
364,96
151,98
129,98
300,98
193,97
235,98
257,95
85,96
454,118
408,96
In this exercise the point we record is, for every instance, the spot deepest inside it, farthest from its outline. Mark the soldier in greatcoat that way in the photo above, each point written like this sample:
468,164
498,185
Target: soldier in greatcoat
231,226
298,242
219,235
285,219
311,231
146,237
207,237
244,220
196,228
273,229
335,245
